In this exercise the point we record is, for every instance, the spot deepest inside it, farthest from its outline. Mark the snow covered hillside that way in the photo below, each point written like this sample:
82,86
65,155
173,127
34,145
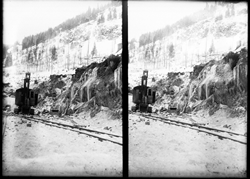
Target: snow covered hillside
82,45
200,42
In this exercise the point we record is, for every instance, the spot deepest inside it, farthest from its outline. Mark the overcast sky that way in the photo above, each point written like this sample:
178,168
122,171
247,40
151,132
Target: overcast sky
152,15
22,18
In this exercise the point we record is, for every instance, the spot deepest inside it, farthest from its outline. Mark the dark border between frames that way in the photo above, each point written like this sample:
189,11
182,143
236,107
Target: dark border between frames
125,61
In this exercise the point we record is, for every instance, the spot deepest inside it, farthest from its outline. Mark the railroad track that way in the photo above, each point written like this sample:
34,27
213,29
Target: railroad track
236,137
100,135
4,122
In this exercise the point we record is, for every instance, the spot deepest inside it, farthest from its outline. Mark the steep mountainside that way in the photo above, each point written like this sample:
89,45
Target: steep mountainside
79,71
204,40
69,49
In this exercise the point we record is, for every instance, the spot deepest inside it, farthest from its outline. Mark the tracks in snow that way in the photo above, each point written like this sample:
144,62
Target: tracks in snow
236,137
100,135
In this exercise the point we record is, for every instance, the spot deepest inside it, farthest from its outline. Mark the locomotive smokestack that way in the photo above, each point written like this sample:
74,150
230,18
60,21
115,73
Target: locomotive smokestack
144,78
27,80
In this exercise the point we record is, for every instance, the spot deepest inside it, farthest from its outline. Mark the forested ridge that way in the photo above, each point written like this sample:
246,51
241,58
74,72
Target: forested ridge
185,22
90,14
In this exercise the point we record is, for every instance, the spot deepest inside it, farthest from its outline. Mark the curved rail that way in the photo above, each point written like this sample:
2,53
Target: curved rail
77,129
199,128
4,124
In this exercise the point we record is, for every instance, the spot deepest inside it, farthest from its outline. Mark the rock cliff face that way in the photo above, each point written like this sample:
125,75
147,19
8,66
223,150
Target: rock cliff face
209,85
221,81
90,88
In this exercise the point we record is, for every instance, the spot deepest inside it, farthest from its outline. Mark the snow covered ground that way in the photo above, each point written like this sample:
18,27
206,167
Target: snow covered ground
49,151
101,121
162,150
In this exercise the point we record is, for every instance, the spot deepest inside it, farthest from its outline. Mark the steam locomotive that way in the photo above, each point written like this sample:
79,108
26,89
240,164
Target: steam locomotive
143,95
25,98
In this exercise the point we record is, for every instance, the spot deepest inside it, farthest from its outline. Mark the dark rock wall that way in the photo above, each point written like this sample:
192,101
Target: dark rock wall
216,82
230,79
99,84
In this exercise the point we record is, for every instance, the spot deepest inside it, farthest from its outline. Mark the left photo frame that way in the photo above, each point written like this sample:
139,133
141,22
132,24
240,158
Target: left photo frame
62,88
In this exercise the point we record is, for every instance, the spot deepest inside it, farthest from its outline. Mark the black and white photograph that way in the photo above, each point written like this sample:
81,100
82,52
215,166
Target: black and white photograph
134,88
187,82
62,88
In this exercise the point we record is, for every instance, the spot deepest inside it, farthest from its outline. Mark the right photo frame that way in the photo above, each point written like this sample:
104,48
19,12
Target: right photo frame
187,88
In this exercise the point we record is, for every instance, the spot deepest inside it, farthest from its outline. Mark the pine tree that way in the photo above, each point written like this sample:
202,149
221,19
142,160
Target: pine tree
5,49
35,57
53,53
207,6
88,14
39,60
94,51
227,14
232,10
212,48
101,19
8,60
132,44
29,58
146,55
171,50
115,14
109,16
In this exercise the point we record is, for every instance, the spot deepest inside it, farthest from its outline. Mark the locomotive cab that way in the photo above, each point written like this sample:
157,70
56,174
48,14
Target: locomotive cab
143,95
25,98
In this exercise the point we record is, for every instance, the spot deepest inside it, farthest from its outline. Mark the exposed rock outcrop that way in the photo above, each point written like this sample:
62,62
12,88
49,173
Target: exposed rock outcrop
91,87
216,82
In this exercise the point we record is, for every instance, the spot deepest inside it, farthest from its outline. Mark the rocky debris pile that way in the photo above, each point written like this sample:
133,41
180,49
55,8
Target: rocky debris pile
170,88
210,85
7,62
8,90
11,82
90,88
221,82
